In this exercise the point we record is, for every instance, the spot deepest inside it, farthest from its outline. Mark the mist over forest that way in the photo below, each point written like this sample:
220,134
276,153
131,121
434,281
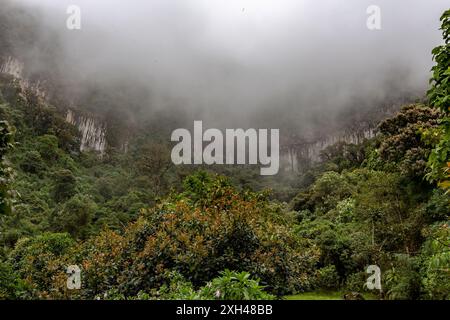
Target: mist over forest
233,63
353,202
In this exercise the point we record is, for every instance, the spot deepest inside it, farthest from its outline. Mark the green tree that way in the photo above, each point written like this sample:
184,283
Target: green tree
76,215
439,93
11,286
39,262
439,97
199,239
436,261
6,173
32,162
154,161
47,146
401,143
65,185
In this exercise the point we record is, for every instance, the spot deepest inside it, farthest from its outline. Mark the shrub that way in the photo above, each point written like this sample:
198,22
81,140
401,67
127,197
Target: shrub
356,282
178,288
402,281
11,286
436,262
199,238
39,262
234,286
438,207
47,145
327,278
228,286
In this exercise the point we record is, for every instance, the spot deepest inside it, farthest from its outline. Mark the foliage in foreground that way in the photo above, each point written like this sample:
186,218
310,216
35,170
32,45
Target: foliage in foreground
439,97
196,236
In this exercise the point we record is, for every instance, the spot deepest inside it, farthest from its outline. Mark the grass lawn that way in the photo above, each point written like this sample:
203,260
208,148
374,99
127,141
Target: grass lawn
332,295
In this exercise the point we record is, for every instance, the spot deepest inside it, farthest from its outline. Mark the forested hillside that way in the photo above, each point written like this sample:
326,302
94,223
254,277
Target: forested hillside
139,227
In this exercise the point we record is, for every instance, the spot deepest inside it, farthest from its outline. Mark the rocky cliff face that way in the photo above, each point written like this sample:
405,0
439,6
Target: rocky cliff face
15,68
294,156
12,67
93,131
297,153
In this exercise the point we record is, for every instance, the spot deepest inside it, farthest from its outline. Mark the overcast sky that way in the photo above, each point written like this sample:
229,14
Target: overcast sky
245,56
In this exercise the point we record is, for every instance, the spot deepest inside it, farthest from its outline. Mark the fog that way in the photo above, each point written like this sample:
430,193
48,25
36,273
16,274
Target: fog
241,62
